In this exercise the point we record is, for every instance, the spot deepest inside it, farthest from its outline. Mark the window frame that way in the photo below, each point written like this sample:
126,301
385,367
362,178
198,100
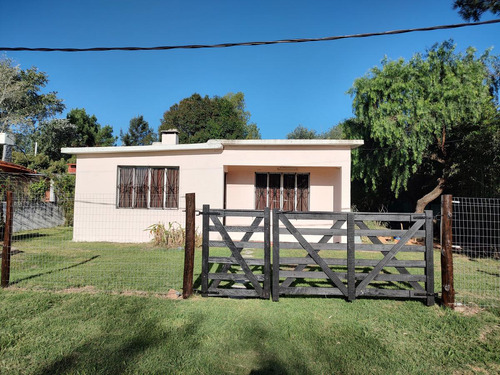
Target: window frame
165,188
282,189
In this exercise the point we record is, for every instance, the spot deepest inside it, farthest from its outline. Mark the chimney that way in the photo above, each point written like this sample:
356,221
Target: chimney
170,137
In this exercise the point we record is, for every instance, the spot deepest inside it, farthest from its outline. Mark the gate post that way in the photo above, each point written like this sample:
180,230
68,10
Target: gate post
267,253
7,241
429,259
205,251
351,260
276,256
187,287
448,290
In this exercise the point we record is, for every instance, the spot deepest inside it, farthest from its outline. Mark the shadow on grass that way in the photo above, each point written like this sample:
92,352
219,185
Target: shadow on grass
54,271
490,273
315,353
27,236
114,353
13,252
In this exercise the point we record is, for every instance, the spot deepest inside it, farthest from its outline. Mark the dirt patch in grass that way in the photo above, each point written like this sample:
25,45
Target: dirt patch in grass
468,310
483,336
83,289
171,294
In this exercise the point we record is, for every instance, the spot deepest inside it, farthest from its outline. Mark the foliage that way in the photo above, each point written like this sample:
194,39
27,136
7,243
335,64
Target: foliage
173,236
474,9
54,135
199,119
139,133
420,116
301,132
39,162
22,105
38,188
238,102
64,188
89,132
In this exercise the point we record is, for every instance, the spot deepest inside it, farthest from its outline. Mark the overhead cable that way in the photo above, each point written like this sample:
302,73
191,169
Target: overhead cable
261,43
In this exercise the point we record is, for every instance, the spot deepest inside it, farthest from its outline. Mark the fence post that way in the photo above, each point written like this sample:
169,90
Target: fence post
351,259
205,251
448,291
187,285
275,284
429,258
7,241
267,253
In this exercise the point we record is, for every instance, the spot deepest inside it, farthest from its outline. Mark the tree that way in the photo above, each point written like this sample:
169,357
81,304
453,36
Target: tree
422,116
22,105
238,102
301,132
54,135
89,132
474,9
139,133
199,119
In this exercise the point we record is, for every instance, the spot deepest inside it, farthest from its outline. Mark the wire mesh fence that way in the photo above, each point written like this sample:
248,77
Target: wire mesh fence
90,244
476,248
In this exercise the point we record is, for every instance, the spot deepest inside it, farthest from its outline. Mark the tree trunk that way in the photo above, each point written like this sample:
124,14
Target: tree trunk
428,198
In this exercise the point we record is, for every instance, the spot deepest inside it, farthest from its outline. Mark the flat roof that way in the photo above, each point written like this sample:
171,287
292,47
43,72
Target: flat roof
217,144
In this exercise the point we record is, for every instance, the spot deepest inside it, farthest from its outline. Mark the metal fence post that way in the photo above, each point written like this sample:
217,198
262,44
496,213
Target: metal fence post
448,291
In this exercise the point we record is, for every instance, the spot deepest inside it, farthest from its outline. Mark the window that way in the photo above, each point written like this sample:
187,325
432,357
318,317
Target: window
286,191
148,187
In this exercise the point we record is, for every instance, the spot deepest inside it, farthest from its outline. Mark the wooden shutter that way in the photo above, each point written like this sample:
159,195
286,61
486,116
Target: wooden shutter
157,187
302,192
260,190
288,192
141,188
274,190
172,188
125,186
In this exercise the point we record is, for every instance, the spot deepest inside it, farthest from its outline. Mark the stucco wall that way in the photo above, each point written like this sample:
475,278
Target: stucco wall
98,219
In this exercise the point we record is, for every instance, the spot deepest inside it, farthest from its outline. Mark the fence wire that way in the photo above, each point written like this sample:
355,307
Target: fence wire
476,248
91,245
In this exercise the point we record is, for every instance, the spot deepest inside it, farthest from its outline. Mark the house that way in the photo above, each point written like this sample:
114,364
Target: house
121,191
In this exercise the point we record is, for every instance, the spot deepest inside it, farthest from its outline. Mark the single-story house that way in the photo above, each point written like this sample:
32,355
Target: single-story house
121,191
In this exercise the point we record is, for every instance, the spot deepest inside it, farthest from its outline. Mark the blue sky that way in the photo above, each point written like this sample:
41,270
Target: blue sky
284,85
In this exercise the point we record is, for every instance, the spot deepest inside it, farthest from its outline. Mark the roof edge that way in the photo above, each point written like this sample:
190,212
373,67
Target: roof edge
216,144
352,143
138,149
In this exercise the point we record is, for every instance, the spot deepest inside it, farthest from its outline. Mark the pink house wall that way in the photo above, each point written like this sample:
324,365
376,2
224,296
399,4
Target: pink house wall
201,170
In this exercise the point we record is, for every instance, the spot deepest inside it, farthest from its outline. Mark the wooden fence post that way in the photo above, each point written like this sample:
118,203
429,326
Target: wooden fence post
205,251
7,241
187,286
448,291
351,259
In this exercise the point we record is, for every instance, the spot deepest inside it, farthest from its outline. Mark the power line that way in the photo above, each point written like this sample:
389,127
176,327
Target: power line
261,43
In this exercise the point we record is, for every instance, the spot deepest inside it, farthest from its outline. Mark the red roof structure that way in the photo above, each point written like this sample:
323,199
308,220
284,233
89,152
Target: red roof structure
14,168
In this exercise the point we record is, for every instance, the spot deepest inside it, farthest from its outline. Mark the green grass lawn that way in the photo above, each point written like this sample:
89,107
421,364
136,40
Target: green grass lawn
61,315
48,259
82,333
